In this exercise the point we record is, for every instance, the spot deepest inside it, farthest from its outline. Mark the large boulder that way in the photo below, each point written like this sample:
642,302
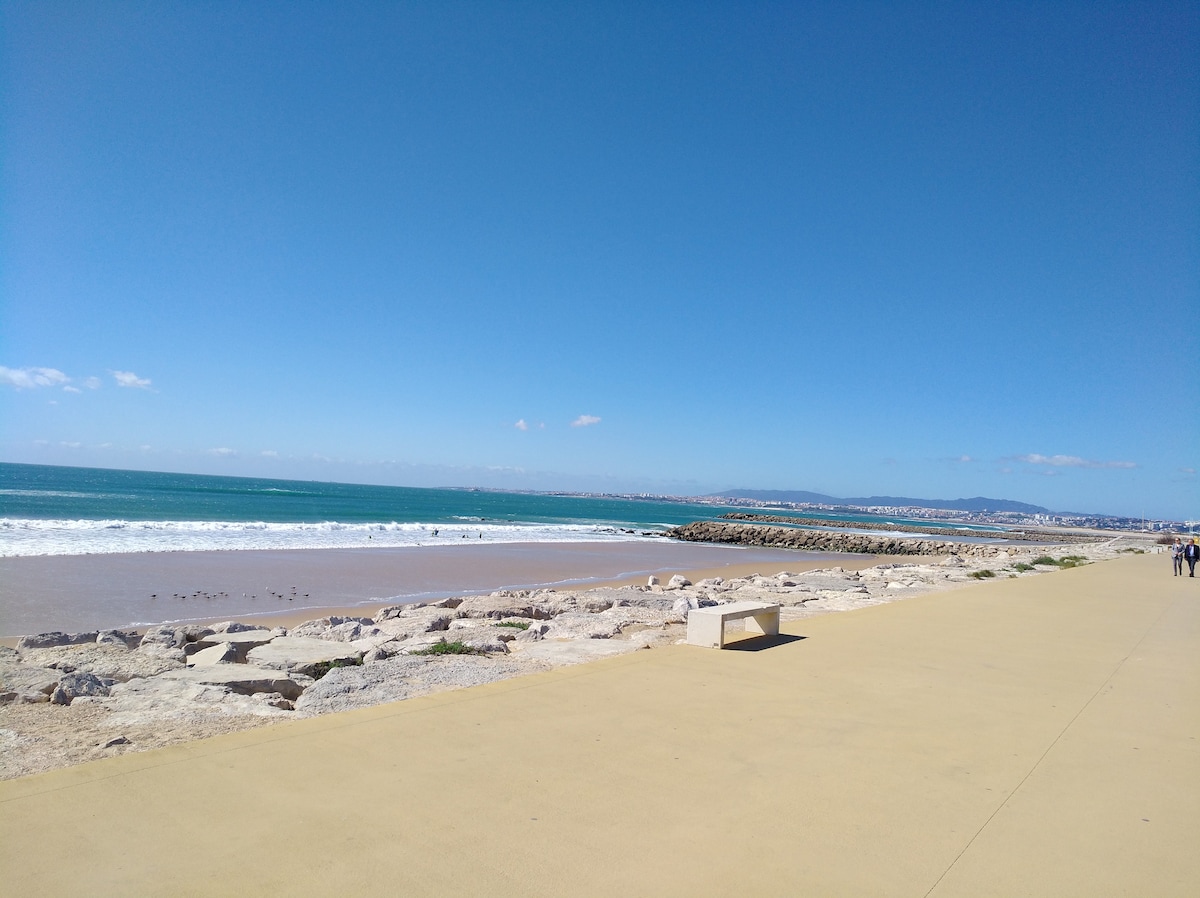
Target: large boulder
503,604
221,653
54,639
583,626
232,626
28,679
392,611
104,660
399,678
241,641
149,701
415,621
303,654
123,639
340,629
74,685
241,678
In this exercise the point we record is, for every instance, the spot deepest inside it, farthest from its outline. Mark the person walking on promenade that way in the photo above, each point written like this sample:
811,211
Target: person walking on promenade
1191,552
1177,556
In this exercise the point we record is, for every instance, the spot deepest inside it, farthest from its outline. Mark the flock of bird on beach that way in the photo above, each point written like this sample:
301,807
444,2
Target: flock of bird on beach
224,595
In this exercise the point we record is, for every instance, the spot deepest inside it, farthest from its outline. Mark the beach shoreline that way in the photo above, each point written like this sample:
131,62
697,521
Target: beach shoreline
74,593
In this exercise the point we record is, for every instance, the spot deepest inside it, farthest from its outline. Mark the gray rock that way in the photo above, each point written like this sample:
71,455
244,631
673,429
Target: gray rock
487,640
74,685
190,633
124,639
54,639
145,702
111,661
399,678
241,678
232,626
394,611
415,621
242,641
275,700
340,629
501,605
583,626
221,653
591,601
678,582
652,581
533,634
302,654
158,637
28,678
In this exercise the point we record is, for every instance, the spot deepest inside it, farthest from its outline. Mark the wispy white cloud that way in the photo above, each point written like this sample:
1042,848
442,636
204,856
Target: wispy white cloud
1071,461
585,421
92,383
223,452
71,444
269,453
129,379
965,459
521,425
32,378
70,389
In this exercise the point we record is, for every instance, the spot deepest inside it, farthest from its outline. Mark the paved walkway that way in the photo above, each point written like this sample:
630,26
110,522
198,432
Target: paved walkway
1018,737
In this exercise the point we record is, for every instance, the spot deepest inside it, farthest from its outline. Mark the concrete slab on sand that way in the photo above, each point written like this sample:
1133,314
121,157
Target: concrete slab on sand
1031,737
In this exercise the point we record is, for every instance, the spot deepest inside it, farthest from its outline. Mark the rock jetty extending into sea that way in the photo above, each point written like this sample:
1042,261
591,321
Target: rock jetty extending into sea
1026,534
67,698
776,537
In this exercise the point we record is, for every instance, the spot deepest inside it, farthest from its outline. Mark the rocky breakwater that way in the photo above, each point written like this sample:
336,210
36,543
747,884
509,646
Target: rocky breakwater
1029,535
822,540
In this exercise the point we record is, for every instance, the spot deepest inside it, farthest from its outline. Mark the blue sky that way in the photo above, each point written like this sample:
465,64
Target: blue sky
931,249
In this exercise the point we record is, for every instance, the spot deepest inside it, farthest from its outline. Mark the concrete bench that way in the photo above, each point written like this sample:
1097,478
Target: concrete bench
706,626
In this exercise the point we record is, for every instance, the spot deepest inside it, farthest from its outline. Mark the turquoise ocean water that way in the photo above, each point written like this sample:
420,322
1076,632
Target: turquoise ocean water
46,510
50,510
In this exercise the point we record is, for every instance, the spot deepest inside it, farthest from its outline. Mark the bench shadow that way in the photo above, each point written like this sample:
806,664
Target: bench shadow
759,643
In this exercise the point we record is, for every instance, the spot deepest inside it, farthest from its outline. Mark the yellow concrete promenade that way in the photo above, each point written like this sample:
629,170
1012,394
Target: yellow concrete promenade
1017,737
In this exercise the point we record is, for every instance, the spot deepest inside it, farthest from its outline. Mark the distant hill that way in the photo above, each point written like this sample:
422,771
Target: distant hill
979,503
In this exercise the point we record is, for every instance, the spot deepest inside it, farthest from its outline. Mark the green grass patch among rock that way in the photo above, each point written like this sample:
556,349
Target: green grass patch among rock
448,648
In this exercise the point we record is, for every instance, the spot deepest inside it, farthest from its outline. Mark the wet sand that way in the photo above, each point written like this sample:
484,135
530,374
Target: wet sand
86,592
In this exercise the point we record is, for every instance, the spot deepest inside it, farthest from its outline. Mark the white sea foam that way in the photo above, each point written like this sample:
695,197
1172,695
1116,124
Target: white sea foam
26,537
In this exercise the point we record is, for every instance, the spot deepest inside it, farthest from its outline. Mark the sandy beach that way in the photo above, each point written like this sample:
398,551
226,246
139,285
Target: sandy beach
86,592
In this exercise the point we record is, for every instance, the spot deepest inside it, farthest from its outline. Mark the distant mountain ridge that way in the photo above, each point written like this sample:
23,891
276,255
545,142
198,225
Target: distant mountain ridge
979,503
